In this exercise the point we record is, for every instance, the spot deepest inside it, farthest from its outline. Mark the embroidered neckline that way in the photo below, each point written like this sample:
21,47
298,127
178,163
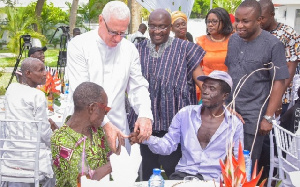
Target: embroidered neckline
161,49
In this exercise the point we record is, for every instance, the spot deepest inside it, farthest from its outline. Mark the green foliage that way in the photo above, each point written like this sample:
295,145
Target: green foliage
18,23
51,16
200,8
229,5
89,13
145,14
2,89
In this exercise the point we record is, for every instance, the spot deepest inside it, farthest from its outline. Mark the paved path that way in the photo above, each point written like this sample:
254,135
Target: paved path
3,55
7,69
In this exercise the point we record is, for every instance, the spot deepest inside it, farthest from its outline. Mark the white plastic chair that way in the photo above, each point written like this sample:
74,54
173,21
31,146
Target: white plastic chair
288,143
12,132
273,161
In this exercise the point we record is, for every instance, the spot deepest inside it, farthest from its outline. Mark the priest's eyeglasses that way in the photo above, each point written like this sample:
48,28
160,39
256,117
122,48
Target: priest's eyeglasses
114,33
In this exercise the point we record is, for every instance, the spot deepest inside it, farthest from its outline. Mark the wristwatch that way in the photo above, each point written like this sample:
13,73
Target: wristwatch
269,118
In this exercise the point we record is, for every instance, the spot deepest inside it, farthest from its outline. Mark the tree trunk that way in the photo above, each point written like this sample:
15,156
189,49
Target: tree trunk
73,15
38,12
136,18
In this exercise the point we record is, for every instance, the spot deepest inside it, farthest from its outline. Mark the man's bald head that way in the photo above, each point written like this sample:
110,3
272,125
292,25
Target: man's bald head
161,13
29,64
159,26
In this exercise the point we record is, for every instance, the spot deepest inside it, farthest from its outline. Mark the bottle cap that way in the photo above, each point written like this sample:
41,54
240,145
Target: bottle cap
246,152
156,171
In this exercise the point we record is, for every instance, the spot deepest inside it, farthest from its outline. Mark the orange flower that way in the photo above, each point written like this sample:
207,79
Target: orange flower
234,172
50,87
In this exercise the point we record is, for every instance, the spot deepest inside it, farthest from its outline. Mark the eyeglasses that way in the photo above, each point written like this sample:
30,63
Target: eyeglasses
114,33
159,28
106,108
213,22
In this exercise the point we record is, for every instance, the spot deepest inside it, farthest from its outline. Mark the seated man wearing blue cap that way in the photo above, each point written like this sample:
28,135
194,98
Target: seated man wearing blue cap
202,130
38,52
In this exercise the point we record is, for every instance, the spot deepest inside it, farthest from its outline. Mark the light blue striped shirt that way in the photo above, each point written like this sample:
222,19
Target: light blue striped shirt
184,130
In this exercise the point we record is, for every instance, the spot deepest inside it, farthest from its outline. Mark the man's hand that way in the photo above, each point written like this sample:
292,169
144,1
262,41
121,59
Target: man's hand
53,125
265,127
133,137
111,134
144,125
233,112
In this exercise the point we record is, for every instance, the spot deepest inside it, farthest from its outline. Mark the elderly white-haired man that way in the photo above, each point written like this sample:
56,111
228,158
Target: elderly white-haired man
103,57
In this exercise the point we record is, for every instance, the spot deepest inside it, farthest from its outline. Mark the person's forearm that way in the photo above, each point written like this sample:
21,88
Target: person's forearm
196,73
292,69
102,171
275,97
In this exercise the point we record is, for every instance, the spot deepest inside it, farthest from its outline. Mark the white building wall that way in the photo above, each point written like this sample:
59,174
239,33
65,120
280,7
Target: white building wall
286,2
286,12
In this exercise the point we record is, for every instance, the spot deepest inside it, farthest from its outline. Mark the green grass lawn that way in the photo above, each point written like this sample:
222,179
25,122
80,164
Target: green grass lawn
4,79
51,56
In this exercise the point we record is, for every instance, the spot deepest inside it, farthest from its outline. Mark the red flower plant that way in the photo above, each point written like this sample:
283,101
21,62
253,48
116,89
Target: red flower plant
234,172
50,87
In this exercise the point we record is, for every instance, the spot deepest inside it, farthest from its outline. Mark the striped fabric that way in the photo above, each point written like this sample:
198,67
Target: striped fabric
169,73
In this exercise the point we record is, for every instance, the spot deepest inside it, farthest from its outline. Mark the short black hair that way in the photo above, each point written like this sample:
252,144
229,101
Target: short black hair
252,4
223,16
268,4
87,93
189,37
143,26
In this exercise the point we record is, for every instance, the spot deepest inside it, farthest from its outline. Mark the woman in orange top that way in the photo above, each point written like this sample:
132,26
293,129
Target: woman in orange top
219,29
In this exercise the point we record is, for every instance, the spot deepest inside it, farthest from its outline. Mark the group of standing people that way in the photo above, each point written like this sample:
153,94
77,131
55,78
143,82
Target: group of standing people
160,76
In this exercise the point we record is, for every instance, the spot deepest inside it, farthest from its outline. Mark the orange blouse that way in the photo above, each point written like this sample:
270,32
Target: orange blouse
216,52
214,58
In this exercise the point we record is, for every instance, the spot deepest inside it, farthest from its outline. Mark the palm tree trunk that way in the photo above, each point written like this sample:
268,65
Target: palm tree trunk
38,12
136,19
73,15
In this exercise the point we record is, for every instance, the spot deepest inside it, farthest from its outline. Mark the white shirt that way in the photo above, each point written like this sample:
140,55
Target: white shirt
29,104
136,34
116,69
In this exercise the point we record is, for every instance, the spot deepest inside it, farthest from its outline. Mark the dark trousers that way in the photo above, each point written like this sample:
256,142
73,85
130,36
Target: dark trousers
264,160
151,160
248,141
177,175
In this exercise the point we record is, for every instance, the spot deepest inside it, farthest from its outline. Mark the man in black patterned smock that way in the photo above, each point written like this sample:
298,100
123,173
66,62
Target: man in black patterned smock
171,66
250,49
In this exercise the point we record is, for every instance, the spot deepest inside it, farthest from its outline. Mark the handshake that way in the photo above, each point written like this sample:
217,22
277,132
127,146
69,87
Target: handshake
133,137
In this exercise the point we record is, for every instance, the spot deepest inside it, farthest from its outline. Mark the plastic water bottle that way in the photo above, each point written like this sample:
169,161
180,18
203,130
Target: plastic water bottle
248,163
156,180
66,88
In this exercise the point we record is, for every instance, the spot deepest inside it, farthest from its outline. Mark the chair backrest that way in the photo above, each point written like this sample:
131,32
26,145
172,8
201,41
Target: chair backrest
288,150
20,143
